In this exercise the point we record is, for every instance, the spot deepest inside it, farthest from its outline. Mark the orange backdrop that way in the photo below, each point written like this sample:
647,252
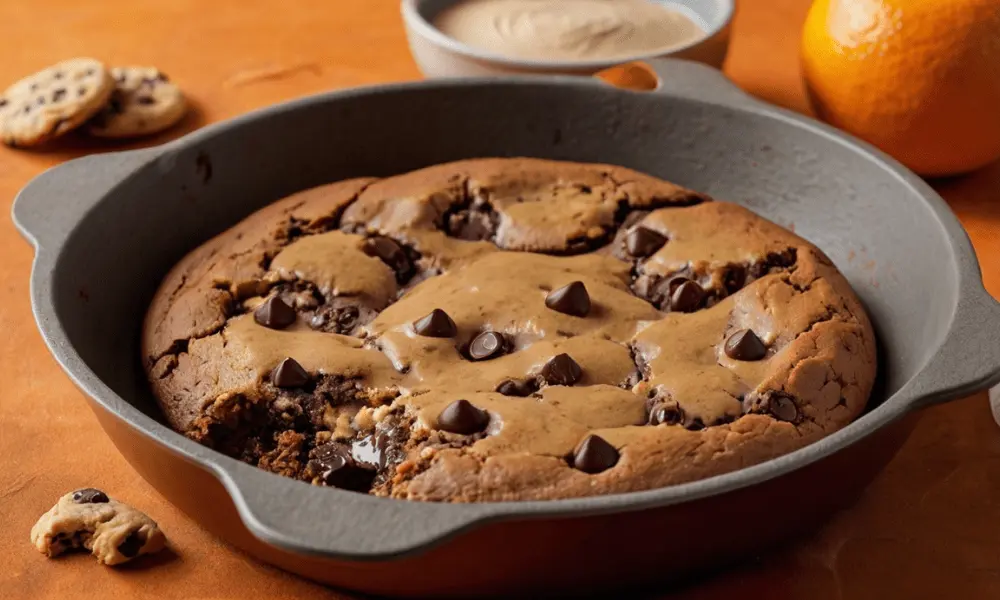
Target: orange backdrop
927,528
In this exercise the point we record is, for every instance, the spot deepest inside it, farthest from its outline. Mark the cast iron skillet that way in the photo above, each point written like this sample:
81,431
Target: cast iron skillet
108,227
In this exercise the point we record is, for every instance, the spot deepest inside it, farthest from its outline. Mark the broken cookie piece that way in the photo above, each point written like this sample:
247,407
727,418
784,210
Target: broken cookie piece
87,518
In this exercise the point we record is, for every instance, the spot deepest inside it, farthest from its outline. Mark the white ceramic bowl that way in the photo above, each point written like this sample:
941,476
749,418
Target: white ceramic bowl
439,55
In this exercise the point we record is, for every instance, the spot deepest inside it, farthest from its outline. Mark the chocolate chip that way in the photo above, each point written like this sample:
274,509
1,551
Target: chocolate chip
40,100
389,252
274,313
782,407
670,414
33,87
696,424
631,219
120,78
289,374
161,77
58,75
642,242
145,100
81,91
594,455
688,297
779,405
463,417
517,387
90,496
571,299
561,370
334,464
437,324
745,345
734,278
3,102
663,289
58,93
27,108
90,71
132,545
487,345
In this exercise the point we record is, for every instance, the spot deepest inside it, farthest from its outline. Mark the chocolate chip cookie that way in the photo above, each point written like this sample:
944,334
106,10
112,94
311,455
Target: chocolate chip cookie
53,101
144,102
506,329
87,518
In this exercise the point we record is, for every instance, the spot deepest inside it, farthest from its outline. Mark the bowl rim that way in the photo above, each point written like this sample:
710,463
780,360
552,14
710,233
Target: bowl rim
415,22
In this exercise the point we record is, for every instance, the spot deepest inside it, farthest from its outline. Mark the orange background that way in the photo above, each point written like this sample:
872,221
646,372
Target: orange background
927,528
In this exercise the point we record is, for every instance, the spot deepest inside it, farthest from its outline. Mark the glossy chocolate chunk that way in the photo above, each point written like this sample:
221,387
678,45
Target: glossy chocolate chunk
595,455
571,299
131,545
782,408
664,288
517,387
745,345
90,496
687,297
289,374
392,254
334,464
437,324
642,242
670,414
561,370
462,417
274,313
487,345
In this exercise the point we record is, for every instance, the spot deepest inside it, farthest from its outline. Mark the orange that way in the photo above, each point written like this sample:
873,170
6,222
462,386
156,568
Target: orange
635,76
920,79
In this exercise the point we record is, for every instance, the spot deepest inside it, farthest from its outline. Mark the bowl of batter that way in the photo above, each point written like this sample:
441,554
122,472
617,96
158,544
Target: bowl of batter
468,38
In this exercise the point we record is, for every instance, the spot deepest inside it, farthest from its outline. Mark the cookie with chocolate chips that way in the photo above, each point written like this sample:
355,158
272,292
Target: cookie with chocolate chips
506,329
144,102
88,519
53,101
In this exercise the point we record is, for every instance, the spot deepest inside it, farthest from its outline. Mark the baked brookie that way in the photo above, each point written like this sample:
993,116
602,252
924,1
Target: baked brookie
506,329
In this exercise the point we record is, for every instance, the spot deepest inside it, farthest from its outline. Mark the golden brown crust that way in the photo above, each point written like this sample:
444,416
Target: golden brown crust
648,373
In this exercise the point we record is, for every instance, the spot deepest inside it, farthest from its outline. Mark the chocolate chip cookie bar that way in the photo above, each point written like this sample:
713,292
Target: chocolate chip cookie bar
506,329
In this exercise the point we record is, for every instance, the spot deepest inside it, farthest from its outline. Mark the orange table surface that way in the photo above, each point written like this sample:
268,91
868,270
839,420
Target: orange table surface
927,527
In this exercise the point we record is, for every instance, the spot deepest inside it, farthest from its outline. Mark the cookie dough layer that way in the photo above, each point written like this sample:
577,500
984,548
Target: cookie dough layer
595,321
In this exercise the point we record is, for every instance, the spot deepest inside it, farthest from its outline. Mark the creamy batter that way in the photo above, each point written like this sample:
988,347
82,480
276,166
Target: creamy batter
567,30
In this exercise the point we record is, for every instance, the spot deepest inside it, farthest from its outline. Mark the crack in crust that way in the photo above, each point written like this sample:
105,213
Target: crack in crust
446,220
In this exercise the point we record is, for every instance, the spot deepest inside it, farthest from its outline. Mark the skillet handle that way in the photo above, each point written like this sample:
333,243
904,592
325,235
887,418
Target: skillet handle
968,360
698,81
47,208
338,523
